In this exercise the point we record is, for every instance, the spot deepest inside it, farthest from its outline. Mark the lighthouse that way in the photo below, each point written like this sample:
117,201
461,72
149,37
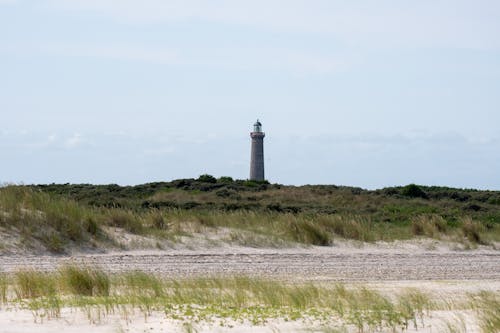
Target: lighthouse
257,155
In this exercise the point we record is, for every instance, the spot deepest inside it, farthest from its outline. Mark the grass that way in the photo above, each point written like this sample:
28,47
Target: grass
224,299
3,289
54,221
32,284
202,299
487,305
85,281
272,215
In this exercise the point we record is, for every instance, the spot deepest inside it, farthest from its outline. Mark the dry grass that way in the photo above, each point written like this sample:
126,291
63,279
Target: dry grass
429,225
473,230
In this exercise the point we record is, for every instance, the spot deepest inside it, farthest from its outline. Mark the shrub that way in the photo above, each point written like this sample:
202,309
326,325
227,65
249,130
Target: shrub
225,180
207,179
260,185
276,207
224,193
413,191
473,207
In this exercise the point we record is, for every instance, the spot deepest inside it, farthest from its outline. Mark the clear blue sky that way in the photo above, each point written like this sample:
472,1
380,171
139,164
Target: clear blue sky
364,93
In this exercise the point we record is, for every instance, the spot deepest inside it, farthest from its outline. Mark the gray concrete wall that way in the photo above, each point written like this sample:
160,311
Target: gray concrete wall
257,156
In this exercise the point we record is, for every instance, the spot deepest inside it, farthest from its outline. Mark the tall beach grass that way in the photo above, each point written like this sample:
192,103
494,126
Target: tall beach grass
239,298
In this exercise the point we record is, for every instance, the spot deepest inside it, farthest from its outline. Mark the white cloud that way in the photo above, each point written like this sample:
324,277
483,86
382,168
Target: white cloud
446,23
74,141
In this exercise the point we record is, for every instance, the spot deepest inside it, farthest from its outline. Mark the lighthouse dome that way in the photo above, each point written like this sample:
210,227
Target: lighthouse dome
257,127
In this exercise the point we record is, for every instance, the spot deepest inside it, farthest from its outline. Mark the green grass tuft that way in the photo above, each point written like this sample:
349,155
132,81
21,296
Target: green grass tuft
85,281
33,284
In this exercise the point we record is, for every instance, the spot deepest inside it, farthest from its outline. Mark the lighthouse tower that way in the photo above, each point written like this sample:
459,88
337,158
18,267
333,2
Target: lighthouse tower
257,157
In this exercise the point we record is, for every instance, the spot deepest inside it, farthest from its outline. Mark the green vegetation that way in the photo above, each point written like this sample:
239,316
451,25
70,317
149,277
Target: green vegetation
203,299
486,305
258,213
414,191
54,220
238,298
207,179
85,281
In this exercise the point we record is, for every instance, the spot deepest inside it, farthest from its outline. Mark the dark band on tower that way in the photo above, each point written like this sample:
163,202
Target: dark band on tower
257,157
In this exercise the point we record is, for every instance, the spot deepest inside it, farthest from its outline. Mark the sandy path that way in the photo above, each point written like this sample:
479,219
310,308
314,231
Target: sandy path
298,264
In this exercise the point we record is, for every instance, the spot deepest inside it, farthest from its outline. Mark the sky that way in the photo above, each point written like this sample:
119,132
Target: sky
360,93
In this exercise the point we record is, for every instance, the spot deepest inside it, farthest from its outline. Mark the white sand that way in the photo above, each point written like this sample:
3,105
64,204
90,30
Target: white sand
73,321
